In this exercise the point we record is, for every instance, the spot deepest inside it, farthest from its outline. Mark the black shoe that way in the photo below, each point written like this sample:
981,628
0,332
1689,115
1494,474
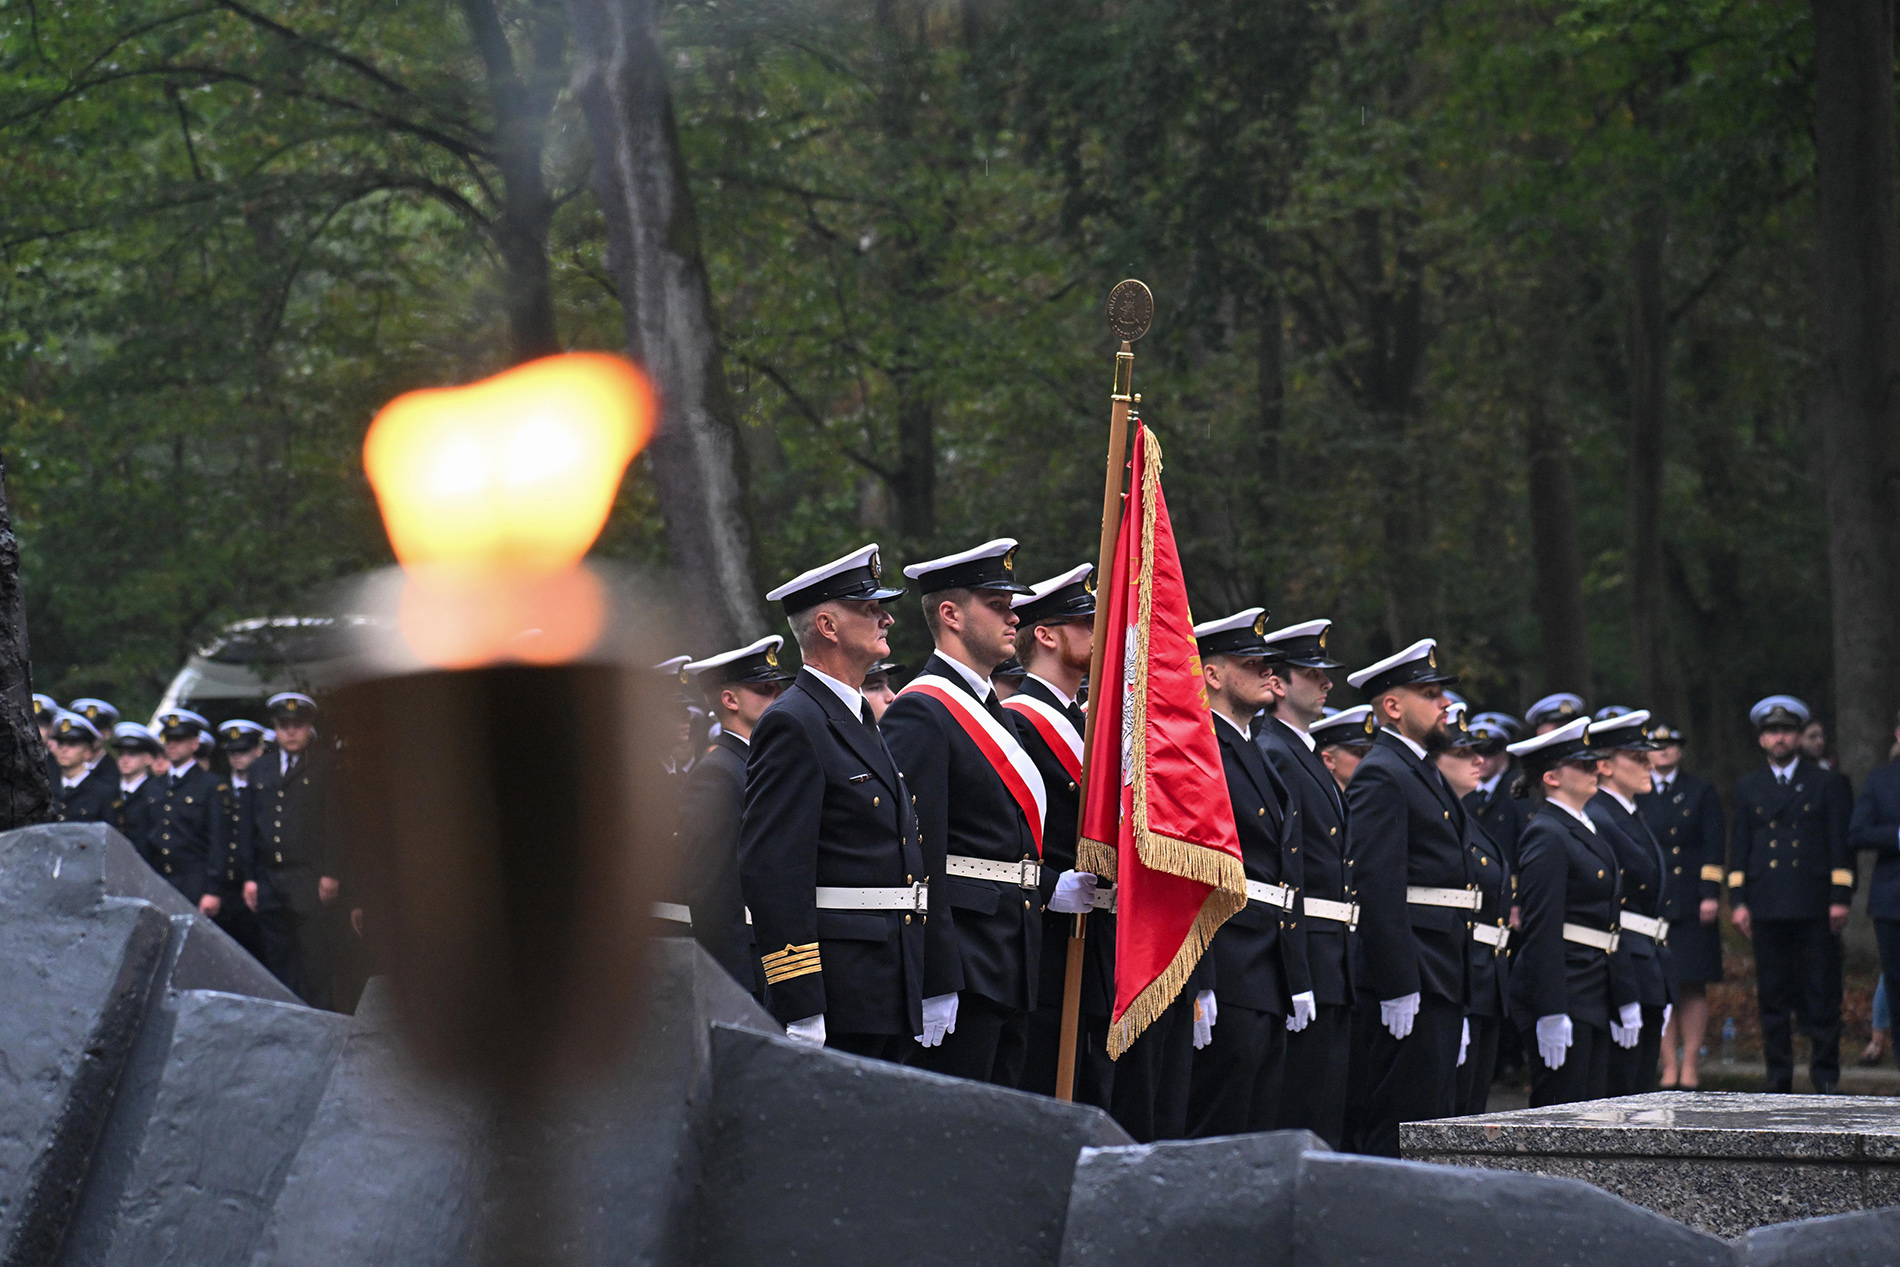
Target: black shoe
1781,1088
1825,1086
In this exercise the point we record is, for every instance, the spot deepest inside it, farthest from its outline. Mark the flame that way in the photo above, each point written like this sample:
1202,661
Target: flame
492,494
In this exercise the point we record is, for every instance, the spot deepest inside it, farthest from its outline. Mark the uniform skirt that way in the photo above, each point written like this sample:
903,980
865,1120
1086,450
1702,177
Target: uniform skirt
1695,952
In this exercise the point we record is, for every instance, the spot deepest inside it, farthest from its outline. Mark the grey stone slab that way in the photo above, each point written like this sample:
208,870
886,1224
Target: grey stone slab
77,970
1283,1200
212,1109
820,1157
391,1167
1723,1163
1201,1203
1870,1238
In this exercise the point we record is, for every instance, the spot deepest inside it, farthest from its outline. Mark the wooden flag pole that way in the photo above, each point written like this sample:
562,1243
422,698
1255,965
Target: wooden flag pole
1130,310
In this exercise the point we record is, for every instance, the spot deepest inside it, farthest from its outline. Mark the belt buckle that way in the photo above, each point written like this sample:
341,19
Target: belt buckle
1662,932
1616,937
1352,920
920,898
1025,870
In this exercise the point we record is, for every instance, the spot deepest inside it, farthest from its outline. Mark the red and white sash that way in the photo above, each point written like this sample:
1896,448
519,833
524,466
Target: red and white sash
1055,728
998,746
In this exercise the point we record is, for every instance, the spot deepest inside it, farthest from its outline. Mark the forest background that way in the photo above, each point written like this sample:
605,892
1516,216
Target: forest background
1488,320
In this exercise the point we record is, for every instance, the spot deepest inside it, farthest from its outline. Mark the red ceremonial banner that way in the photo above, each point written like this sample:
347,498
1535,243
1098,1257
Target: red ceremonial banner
1163,829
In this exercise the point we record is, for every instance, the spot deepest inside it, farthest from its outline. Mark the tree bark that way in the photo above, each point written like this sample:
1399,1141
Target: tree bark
27,795
1851,403
1649,359
522,107
1557,551
653,239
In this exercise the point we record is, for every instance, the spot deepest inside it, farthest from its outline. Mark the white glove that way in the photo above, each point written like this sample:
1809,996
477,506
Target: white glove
1304,1005
1669,1010
940,1018
1554,1035
1205,1010
810,1030
1628,1026
1075,893
1398,1014
1464,1041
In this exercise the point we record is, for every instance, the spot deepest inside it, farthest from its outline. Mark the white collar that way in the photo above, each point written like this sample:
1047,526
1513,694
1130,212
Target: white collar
1785,772
742,739
979,685
1663,782
1629,806
1067,700
1304,737
180,771
852,698
1490,785
1577,814
1418,750
75,781
133,786
1245,732
238,780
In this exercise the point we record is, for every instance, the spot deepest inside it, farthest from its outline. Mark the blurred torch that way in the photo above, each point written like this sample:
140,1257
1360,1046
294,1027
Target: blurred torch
501,766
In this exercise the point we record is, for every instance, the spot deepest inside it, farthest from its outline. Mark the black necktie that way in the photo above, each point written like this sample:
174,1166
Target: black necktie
994,707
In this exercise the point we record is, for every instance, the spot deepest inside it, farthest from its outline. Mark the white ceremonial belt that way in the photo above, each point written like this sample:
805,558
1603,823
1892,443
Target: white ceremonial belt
1463,899
1026,874
1346,913
909,897
1496,936
1657,930
1272,894
1584,935
678,912
1104,898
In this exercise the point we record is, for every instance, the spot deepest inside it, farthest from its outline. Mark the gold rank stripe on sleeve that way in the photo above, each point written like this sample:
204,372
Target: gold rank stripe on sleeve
793,961
1712,873
1735,879
1844,878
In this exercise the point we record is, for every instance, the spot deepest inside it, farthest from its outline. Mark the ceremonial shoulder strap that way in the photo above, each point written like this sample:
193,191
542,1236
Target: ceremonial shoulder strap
1055,728
998,746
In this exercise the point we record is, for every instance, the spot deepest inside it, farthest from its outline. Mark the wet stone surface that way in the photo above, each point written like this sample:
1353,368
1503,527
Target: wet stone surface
1723,1163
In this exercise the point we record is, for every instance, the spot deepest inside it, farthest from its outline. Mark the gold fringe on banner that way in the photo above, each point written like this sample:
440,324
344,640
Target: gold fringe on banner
1216,868
1097,856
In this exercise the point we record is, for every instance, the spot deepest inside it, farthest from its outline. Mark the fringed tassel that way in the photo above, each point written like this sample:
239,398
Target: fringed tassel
1147,1007
1093,855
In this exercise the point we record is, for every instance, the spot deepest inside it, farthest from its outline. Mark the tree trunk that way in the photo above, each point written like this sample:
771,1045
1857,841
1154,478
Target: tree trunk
916,466
1557,552
28,792
1649,357
653,236
1851,404
521,111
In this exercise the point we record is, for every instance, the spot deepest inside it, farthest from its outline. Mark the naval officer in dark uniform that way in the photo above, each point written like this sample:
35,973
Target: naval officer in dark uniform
1565,973
1416,896
179,844
135,794
1260,983
82,792
1685,815
1317,1055
830,859
1055,634
1487,1015
1791,880
739,686
981,804
233,851
295,871
1621,736
1875,827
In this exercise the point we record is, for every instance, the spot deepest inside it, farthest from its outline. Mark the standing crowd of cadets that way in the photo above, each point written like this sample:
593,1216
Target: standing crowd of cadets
1432,894
233,817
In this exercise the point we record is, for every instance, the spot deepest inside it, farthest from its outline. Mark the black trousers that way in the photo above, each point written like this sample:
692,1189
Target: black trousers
1094,1071
1584,1073
1414,1079
1150,1095
896,1048
1235,1086
240,921
1887,936
1313,1092
988,1044
1633,1070
1798,970
1481,1062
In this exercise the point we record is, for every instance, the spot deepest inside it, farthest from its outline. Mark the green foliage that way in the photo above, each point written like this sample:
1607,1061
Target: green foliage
1382,234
